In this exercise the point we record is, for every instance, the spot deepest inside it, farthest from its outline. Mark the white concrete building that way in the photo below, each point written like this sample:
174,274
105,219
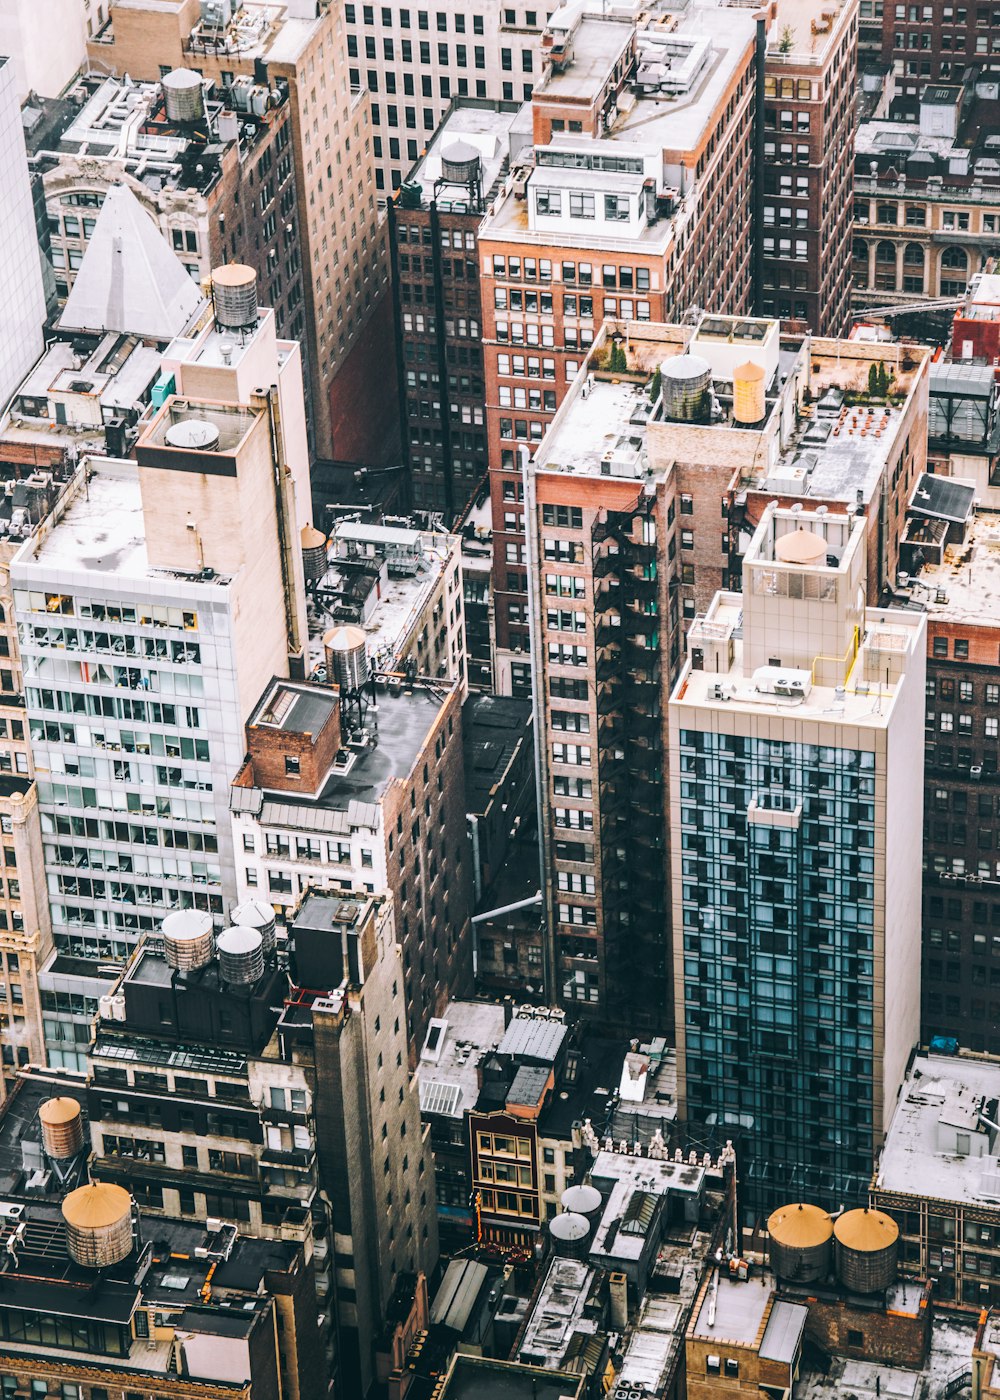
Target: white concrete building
22,298
47,41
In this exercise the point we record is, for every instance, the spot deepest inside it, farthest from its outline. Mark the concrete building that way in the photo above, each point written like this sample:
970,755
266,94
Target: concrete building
211,1330
50,66
936,1176
22,298
641,501
497,738
629,207
338,237
927,197
328,798
131,547
804,187
951,576
433,229
796,802
431,57
375,1160
403,587
197,179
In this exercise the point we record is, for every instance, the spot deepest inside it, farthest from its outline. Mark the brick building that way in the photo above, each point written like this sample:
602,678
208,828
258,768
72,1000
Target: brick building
949,552
927,199
433,227
196,180
939,42
339,242
640,505
616,213
804,188
322,803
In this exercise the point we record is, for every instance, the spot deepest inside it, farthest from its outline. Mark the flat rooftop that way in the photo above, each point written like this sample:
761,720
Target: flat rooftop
492,728
808,44
943,1092
866,703
296,709
952,1339
965,587
739,1310
476,1378
453,1047
558,1313
400,724
482,126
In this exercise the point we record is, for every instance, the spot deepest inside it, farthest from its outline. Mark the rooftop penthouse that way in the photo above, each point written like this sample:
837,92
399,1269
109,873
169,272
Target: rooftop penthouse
793,417
621,115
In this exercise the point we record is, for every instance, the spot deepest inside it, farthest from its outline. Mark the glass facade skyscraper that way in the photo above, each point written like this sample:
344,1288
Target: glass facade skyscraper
796,729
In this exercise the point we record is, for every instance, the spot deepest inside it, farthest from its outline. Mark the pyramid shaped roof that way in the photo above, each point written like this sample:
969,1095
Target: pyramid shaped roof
130,279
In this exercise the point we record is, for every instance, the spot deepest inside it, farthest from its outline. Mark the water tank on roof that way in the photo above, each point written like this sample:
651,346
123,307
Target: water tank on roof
865,1248
183,97
255,914
801,1238
569,1233
188,939
234,294
98,1224
241,956
62,1128
460,163
749,399
800,547
313,543
346,651
192,434
685,380
581,1200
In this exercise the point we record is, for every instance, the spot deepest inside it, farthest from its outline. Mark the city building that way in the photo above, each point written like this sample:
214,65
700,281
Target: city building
194,157
497,738
634,204
936,1177
432,228
48,67
92,1288
963,425
641,501
804,188
178,578
927,197
25,930
375,1162
481,1378
937,43
450,54
477,575
795,830
949,557
402,586
253,46
332,796
976,328
22,296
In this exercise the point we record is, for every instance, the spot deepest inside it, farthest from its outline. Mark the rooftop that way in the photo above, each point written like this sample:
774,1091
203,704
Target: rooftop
949,1358
733,1310
965,586
452,1049
560,1312
471,126
295,709
99,529
20,1129
492,728
380,578
476,1378
937,1145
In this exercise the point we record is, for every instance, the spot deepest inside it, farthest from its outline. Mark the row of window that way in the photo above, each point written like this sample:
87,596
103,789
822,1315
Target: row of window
518,269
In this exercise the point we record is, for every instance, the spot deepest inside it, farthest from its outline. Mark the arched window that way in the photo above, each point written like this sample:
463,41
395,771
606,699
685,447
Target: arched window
954,271
860,269
913,268
885,266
